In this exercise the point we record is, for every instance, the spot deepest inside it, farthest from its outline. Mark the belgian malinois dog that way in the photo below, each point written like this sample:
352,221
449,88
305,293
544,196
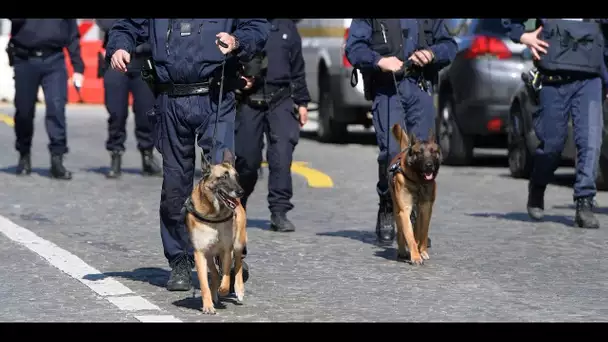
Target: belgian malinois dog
412,185
216,223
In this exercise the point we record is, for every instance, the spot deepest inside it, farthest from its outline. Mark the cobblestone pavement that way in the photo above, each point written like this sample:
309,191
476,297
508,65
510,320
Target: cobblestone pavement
96,254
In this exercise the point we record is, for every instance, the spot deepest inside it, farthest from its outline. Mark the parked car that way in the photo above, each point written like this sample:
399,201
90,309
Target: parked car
328,75
475,90
522,140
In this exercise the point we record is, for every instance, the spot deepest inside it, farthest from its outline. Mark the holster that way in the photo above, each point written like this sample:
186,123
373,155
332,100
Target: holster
10,51
102,66
148,74
264,98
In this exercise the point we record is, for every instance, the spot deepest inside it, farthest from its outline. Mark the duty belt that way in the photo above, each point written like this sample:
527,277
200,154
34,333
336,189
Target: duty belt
24,52
175,90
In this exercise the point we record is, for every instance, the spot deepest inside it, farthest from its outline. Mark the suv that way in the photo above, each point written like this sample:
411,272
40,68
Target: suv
475,90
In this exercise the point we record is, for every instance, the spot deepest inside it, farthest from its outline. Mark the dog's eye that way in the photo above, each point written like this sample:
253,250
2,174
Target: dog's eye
225,175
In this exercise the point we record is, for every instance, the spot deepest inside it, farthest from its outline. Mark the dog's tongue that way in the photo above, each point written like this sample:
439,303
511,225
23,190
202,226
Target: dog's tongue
428,176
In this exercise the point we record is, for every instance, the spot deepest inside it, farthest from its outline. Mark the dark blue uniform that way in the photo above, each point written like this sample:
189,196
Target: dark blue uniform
574,88
37,49
411,107
286,76
184,52
117,87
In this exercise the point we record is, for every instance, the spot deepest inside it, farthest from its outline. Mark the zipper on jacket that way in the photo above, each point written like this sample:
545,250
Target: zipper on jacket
169,35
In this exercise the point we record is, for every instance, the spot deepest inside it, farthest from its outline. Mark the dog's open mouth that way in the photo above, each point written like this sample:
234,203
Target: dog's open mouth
429,176
229,201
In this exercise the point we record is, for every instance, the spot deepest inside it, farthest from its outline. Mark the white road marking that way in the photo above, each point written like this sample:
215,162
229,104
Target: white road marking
132,303
157,319
76,268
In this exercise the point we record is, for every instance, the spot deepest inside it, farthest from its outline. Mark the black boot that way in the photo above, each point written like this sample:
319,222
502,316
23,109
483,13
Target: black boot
115,165
385,222
181,275
24,166
149,164
59,171
536,201
280,223
584,213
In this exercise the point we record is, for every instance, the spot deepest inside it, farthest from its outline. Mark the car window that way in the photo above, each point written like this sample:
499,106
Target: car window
530,25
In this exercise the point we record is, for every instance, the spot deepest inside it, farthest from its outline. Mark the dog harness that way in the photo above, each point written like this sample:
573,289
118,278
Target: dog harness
396,166
190,208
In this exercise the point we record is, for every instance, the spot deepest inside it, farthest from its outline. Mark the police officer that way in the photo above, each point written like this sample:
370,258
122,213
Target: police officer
117,87
569,56
35,51
267,106
379,48
188,57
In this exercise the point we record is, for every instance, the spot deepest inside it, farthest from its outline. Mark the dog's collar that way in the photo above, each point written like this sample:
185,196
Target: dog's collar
190,208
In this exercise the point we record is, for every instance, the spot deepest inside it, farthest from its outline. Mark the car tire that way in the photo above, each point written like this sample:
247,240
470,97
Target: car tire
602,171
520,158
457,149
328,130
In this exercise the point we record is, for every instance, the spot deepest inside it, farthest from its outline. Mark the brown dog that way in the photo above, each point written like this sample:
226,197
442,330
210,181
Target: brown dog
412,185
216,223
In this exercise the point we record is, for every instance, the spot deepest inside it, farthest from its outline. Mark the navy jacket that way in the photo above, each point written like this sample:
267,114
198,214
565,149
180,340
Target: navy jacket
516,27
184,51
49,34
358,44
105,25
285,60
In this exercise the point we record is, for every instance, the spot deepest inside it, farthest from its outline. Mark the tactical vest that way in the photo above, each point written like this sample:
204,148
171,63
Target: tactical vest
387,40
573,46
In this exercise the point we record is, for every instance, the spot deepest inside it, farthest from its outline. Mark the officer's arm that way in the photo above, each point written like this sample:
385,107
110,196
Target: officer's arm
74,46
301,97
357,49
515,28
126,34
444,46
252,35
105,24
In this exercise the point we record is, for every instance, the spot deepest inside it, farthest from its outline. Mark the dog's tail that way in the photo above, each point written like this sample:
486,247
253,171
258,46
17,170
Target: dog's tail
401,136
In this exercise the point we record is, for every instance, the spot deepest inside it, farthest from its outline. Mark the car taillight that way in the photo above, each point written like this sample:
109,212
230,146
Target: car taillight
483,45
345,61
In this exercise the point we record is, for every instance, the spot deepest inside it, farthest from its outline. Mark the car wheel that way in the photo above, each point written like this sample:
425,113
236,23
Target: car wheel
602,172
457,149
519,155
328,130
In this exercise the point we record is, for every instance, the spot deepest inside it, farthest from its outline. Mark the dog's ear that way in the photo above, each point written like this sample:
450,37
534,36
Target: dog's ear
413,139
431,137
228,157
400,135
205,166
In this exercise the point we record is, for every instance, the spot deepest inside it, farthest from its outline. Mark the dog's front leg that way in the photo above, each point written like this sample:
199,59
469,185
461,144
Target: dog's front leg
215,279
239,286
403,209
201,269
226,266
424,223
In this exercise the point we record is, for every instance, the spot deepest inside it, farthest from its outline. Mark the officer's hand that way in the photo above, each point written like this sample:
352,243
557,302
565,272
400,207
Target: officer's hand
120,59
422,57
227,39
530,39
77,79
390,64
303,111
249,81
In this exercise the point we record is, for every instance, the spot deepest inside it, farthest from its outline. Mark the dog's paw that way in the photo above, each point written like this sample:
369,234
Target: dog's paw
425,255
416,260
208,310
240,295
224,290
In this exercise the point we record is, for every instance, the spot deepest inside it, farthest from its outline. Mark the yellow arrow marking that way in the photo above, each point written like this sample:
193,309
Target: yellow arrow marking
315,178
7,119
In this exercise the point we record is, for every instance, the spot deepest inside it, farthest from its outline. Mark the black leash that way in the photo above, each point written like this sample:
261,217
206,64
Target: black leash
219,102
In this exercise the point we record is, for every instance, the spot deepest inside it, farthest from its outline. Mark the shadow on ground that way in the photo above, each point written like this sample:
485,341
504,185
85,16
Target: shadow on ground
524,217
104,169
43,172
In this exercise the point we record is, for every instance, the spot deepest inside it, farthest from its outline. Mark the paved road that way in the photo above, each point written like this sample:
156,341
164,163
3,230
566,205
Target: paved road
89,249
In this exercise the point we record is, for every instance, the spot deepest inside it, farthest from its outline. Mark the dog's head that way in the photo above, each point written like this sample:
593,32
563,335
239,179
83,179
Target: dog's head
221,181
423,156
